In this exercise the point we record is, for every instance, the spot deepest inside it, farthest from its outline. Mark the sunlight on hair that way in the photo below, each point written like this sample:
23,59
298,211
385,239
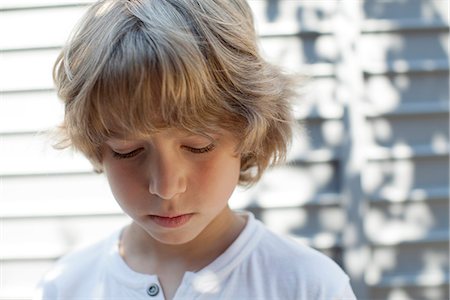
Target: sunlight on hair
104,9
139,83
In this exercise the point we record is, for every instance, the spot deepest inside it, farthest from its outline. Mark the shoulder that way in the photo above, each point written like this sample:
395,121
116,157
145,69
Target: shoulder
87,255
296,255
314,274
84,262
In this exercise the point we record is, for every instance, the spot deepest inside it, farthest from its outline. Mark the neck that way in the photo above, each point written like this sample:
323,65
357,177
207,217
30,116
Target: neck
144,254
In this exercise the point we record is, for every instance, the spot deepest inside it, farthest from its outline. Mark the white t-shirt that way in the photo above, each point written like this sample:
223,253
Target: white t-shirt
258,265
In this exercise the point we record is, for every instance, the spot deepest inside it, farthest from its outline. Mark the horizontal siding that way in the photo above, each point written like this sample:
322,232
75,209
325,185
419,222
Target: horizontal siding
7,5
404,46
51,27
410,259
22,112
393,223
61,235
27,70
19,278
89,195
33,154
405,49
407,88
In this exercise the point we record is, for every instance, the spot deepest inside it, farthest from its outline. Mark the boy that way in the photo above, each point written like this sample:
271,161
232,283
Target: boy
172,101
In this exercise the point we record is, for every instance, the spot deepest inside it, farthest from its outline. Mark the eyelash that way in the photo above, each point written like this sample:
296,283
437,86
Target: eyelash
133,153
126,155
206,149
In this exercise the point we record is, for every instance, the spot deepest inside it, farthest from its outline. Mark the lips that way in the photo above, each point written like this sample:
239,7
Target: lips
171,222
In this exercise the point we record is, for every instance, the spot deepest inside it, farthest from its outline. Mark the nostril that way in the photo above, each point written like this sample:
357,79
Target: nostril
167,189
166,174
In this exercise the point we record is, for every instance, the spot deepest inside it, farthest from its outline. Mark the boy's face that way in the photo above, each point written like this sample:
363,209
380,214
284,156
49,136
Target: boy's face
173,184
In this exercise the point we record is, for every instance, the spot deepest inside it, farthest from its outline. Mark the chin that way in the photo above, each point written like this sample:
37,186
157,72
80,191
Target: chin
173,239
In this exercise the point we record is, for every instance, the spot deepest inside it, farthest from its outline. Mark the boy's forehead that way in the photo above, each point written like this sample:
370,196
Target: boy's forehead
169,132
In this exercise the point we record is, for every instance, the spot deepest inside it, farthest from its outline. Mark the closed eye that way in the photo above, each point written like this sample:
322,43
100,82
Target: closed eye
206,149
130,154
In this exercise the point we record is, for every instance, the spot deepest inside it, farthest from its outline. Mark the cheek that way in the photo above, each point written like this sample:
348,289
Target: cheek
123,184
231,172
220,179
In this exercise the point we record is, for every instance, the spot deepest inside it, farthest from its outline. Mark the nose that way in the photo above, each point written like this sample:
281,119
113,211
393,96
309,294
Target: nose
167,176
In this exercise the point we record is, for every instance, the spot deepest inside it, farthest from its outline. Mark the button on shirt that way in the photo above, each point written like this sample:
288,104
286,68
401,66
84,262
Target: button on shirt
153,290
246,270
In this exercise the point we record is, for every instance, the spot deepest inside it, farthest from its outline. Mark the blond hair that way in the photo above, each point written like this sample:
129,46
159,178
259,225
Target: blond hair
133,67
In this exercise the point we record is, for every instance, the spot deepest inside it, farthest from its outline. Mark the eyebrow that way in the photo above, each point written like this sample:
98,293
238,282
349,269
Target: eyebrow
118,143
177,133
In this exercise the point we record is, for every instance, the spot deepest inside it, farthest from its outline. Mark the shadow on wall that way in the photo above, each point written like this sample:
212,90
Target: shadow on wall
405,178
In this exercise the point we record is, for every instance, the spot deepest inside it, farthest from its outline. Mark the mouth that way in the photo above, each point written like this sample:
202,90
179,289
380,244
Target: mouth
171,221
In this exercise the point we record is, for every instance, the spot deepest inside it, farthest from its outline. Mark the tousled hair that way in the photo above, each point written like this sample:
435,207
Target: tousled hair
134,67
